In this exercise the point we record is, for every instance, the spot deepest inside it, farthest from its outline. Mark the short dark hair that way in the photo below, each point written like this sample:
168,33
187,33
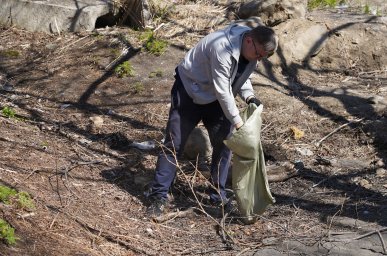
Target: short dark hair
266,37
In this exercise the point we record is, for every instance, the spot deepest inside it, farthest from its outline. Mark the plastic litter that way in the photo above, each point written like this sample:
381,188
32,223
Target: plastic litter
145,145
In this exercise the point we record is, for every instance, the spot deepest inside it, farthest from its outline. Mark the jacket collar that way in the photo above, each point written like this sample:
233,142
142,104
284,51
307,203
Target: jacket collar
234,34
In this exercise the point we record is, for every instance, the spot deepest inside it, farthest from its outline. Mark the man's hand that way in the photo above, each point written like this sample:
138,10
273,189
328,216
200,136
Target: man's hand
254,100
239,125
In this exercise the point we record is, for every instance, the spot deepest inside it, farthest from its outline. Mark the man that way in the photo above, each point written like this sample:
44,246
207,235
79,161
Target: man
206,83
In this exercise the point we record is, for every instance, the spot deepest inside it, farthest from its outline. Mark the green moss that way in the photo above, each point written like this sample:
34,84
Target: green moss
157,73
138,87
8,112
313,4
159,10
7,233
152,44
25,201
6,193
367,9
116,52
124,69
10,53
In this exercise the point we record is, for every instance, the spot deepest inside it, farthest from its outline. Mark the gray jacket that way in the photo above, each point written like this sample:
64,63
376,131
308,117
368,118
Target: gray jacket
208,71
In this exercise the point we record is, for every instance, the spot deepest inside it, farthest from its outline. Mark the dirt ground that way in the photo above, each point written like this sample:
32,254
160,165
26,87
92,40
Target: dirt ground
69,146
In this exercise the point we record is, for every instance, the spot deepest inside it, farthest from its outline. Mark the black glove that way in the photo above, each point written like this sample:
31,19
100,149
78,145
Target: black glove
254,100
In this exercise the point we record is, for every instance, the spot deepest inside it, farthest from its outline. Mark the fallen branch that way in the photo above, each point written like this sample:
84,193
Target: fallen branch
379,231
323,180
226,237
317,144
76,41
373,72
382,241
122,240
370,233
174,215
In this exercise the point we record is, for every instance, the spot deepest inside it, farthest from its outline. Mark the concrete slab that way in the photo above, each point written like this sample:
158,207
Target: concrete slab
53,16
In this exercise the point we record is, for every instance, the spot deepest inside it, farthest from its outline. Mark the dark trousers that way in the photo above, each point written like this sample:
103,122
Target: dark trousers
184,115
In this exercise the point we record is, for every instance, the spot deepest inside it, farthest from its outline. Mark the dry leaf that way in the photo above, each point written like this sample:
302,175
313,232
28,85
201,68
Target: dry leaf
365,183
297,133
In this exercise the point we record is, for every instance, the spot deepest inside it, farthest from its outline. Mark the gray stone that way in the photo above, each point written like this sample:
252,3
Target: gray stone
53,16
273,11
353,224
380,172
251,22
336,245
268,252
198,144
299,40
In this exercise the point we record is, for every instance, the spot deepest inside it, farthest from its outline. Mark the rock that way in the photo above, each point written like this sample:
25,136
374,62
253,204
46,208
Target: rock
198,143
273,11
345,163
379,103
97,121
281,171
304,151
53,16
268,252
142,180
380,172
365,183
380,163
8,87
306,39
356,224
250,22
270,241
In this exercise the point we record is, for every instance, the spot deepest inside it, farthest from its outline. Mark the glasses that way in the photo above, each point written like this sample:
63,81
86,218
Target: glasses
260,56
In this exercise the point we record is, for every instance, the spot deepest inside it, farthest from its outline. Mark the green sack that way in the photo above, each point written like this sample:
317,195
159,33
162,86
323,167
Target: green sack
249,179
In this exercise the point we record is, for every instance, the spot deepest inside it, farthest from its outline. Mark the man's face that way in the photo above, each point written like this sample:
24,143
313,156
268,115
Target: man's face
254,50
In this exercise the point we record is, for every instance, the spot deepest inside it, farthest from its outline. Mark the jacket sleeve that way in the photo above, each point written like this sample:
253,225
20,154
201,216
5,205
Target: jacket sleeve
246,90
221,64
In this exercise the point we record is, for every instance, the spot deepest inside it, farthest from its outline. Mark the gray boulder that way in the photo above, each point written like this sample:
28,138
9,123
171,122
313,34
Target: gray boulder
198,145
273,12
299,40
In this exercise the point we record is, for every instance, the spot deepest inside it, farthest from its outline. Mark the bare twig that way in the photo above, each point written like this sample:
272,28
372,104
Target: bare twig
336,130
225,236
370,233
382,241
248,249
323,180
26,215
366,235
56,26
373,72
123,240
7,170
53,221
173,215
76,41
30,174
278,224
123,53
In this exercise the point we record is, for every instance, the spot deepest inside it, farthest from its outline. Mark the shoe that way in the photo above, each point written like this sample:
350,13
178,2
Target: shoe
218,203
157,207
228,205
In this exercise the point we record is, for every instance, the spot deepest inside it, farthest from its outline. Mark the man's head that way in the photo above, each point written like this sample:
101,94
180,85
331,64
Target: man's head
259,43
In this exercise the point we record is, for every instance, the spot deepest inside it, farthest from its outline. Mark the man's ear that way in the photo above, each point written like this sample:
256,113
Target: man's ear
249,39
